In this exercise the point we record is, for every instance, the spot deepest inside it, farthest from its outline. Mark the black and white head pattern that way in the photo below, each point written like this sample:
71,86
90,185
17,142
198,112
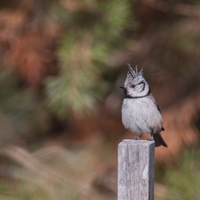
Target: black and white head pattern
135,85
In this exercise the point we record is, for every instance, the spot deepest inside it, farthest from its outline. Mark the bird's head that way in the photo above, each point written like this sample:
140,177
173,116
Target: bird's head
135,85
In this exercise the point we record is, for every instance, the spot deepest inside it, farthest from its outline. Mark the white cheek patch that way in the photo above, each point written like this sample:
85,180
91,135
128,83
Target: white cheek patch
140,87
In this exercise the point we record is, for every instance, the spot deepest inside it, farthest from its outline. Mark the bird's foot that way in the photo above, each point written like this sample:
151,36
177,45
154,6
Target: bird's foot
151,138
138,138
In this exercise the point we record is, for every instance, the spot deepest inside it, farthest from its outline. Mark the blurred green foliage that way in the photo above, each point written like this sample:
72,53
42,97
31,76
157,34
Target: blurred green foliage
92,33
22,113
183,180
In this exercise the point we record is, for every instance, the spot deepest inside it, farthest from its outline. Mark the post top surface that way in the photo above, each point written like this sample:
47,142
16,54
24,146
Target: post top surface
136,142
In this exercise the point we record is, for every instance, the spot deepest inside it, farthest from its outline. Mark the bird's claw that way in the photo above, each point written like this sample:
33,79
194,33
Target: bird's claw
137,138
150,139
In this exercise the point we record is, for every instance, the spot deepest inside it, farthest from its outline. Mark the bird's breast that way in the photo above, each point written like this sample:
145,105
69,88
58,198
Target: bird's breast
141,115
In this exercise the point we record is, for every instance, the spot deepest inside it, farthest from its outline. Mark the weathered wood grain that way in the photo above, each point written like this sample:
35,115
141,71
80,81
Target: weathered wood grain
136,170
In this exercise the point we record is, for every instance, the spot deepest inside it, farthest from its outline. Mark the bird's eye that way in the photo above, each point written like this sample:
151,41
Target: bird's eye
132,85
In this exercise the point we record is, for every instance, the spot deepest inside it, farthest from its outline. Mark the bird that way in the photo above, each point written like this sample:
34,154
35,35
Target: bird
140,111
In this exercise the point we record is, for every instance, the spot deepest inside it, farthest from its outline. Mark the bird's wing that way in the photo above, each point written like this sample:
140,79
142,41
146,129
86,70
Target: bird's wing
152,98
154,101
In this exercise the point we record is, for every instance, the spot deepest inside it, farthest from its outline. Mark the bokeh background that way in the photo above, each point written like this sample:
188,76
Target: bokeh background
61,65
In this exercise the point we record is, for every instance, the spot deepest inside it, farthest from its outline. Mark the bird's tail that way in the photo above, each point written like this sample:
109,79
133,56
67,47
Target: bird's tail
159,140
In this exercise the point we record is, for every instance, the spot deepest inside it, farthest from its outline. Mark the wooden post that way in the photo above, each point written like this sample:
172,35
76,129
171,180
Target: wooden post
136,170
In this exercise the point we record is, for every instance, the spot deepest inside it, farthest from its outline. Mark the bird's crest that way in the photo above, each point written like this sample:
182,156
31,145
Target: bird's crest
134,73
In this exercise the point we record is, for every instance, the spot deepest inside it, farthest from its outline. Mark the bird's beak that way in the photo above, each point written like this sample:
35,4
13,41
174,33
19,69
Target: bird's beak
125,91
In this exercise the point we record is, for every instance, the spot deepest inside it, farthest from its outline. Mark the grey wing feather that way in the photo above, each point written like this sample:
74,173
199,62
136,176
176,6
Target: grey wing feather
152,98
